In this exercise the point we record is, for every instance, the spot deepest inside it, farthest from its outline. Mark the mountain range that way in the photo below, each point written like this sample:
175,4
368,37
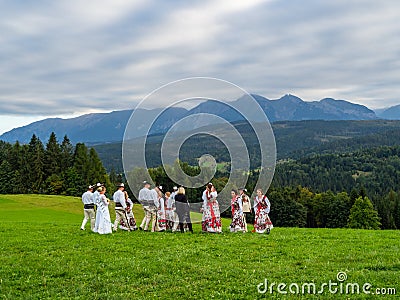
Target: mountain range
99,128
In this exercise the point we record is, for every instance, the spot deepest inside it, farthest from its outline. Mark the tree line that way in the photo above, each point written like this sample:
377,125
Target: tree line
313,191
299,206
55,168
376,169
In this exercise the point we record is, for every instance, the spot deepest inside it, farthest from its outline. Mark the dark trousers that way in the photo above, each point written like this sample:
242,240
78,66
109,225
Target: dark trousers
249,217
183,211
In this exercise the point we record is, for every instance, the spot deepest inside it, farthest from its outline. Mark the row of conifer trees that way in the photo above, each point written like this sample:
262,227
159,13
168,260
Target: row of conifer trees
54,168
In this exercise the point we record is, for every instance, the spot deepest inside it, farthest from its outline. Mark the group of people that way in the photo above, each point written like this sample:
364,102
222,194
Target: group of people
100,220
164,211
171,210
241,211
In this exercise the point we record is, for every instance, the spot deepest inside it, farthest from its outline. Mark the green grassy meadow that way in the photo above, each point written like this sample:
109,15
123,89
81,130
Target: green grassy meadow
44,255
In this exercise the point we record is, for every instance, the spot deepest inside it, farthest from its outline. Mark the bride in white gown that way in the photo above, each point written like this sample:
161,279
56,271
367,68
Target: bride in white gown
103,220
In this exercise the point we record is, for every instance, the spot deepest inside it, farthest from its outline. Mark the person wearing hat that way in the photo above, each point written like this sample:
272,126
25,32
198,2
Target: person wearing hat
129,215
96,194
88,208
120,206
246,207
160,204
152,210
146,198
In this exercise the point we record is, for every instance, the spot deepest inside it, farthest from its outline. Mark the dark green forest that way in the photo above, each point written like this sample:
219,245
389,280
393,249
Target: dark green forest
297,205
55,168
294,139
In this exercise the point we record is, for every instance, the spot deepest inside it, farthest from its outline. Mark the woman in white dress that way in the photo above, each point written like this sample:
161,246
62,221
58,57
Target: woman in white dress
211,220
103,221
262,206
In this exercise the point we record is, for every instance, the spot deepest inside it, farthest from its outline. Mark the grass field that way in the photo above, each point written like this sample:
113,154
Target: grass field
44,255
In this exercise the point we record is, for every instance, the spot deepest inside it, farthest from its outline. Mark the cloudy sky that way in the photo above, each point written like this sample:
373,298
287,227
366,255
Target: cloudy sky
66,58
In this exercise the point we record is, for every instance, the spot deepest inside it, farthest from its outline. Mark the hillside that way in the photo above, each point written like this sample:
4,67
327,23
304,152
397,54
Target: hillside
57,260
293,140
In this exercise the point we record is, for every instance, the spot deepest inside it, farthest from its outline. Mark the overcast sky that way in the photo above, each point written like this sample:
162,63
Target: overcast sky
65,58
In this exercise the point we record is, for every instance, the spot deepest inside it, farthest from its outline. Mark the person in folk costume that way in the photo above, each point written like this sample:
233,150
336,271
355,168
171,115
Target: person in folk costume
153,208
262,222
96,192
88,208
103,222
211,220
238,221
183,210
145,196
168,210
172,216
246,206
129,215
120,207
161,215
149,198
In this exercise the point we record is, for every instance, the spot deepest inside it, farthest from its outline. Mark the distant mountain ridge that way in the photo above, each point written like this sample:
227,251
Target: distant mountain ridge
292,108
390,113
110,127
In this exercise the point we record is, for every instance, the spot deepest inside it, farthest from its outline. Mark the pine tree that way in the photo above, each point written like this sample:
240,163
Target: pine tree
81,166
363,215
36,162
18,184
386,210
353,196
52,157
96,169
323,209
6,178
14,156
21,184
113,176
67,152
97,172
73,182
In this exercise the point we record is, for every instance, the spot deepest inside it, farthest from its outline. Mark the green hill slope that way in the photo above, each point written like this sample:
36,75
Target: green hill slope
293,140
46,256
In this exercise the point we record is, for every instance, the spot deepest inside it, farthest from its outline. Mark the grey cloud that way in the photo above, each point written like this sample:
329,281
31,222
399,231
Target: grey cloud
68,57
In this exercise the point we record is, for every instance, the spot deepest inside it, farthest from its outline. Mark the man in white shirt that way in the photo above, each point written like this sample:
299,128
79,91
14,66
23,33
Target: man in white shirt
88,208
148,198
120,206
96,193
